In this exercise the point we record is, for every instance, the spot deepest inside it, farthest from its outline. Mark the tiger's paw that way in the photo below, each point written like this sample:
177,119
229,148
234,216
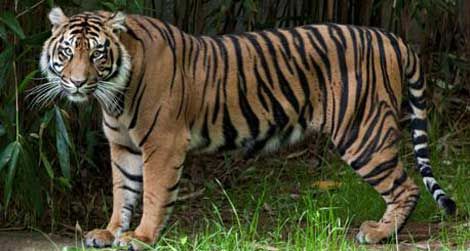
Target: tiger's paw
132,241
372,232
99,238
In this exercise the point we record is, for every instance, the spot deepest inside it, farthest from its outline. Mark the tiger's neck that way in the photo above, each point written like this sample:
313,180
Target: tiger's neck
164,59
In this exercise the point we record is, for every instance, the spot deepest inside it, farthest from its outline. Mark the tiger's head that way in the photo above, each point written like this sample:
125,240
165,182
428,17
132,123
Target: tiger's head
84,57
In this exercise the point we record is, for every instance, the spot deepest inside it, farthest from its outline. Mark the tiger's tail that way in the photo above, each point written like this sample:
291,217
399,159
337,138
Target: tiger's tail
416,86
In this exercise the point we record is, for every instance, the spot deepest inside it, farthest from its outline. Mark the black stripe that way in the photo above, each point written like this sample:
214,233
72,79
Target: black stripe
282,81
128,207
130,189
149,131
419,124
215,60
340,51
174,187
179,167
136,110
205,129
279,114
129,149
215,113
383,65
183,96
357,66
418,102
369,143
387,165
306,90
300,47
110,126
144,28
261,55
422,153
150,155
375,182
251,118
132,177
171,37
229,131
352,135
396,184
170,204
224,55
420,140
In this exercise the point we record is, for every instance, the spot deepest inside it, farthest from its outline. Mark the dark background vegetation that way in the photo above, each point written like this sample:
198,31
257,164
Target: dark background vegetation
54,160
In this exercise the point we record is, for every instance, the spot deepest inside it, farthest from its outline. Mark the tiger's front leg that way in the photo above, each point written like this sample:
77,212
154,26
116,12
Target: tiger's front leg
162,167
127,187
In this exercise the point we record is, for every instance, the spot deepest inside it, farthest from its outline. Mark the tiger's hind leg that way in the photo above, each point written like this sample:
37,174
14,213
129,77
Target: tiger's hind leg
399,192
127,187
376,160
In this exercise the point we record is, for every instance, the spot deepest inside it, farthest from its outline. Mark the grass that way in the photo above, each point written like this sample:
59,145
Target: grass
276,204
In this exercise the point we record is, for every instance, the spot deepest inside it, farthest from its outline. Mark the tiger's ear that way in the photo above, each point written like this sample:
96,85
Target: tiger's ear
57,17
117,22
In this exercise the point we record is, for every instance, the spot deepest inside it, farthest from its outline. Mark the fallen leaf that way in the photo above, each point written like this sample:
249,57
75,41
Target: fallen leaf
327,184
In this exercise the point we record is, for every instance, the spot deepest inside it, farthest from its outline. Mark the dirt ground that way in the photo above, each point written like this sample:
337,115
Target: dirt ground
33,241
415,236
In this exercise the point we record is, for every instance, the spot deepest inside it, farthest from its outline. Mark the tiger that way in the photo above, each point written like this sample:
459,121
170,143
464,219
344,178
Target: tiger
165,94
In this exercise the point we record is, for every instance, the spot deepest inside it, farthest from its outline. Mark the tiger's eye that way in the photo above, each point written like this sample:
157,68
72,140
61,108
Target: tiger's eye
96,54
68,51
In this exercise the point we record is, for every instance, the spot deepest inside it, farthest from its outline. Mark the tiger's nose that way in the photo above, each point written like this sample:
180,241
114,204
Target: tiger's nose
79,82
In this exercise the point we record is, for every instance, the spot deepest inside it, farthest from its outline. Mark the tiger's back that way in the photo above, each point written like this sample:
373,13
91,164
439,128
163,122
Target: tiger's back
262,90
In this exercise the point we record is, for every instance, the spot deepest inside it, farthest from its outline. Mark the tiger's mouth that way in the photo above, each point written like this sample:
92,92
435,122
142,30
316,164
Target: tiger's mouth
78,93
79,97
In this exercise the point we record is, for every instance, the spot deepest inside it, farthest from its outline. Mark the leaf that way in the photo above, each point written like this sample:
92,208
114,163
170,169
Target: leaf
50,3
11,172
9,19
184,240
6,58
327,184
5,156
60,122
47,118
64,182
250,5
24,83
62,144
109,6
31,185
36,39
3,33
2,129
26,80
47,165
7,124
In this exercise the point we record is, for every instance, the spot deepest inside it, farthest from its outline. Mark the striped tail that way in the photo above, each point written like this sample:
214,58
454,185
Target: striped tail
416,86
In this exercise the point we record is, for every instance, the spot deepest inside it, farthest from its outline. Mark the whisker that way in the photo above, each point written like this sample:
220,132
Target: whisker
33,89
109,100
45,97
45,78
